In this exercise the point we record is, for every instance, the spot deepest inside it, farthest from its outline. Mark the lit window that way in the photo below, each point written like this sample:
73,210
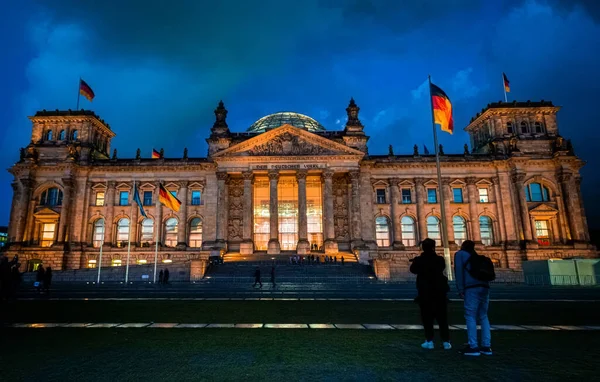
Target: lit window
196,197
122,231
124,198
460,229
91,263
167,261
483,195
380,196
406,196
116,262
195,240
98,235
535,192
542,232
147,235
62,135
51,197
431,195
142,261
382,231
48,230
409,238
171,232
457,193
433,230
485,229
99,198
147,198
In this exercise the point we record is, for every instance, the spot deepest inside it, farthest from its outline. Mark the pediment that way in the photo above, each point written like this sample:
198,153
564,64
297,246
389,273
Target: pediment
46,213
123,186
431,183
147,186
457,183
406,182
288,140
99,187
543,210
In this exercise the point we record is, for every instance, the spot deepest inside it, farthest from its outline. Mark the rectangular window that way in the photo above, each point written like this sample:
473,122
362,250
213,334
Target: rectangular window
458,195
542,232
91,264
196,198
483,195
147,198
174,193
124,198
116,262
406,197
99,198
380,196
431,195
48,234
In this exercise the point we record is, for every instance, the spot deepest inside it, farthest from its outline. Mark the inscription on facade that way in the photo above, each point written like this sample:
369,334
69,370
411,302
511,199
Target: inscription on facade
297,166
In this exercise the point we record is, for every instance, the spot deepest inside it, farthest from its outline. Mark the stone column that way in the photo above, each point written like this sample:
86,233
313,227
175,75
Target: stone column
274,247
474,218
499,209
13,220
158,225
183,223
86,214
523,208
355,209
395,198
420,200
64,210
222,208
303,247
576,187
109,207
247,245
533,230
20,208
329,228
30,234
78,219
554,230
565,232
25,210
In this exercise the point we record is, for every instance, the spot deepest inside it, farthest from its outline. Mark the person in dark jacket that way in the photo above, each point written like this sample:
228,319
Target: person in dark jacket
273,276
166,277
48,279
15,280
39,277
160,276
432,287
257,277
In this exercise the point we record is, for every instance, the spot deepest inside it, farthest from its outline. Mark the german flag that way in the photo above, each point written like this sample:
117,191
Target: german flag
85,90
155,154
506,83
442,109
167,199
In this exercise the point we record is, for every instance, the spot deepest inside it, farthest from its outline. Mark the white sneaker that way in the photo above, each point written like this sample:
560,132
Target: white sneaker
427,345
447,346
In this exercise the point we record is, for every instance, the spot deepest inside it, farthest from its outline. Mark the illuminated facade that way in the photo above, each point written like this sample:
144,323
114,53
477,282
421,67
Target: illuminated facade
288,185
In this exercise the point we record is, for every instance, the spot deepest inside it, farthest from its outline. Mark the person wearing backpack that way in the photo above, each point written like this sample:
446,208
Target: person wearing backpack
473,274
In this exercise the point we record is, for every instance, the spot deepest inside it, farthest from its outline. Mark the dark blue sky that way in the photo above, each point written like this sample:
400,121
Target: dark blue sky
159,68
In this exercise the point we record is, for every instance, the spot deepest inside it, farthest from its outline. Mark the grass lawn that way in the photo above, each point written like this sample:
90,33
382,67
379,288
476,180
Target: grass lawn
391,312
293,354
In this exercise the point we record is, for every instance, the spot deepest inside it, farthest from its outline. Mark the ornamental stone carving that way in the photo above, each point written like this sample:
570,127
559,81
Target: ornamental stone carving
222,175
236,209
340,208
288,144
471,180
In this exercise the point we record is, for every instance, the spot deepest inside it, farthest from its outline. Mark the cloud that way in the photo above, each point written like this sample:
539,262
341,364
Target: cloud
462,85
420,91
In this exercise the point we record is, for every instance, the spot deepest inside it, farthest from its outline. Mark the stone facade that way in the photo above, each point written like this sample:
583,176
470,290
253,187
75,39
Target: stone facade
516,193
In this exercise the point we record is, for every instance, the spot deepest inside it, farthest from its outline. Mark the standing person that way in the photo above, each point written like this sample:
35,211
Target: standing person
342,259
48,279
473,273
15,280
432,287
257,277
160,276
273,276
166,276
39,277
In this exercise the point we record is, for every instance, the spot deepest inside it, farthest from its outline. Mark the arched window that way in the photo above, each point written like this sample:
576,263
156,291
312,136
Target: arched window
48,135
409,238
524,127
122,231
98,234
74,135
147,232
195,239
536,192
433,230
51,197
485,228
509,128
62,135
539,128
171,232
382,231
460,229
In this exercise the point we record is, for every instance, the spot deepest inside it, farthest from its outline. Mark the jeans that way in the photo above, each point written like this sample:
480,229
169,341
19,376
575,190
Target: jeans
477,300
435,308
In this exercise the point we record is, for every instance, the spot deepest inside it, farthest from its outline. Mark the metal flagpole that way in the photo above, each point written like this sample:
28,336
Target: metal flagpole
78,93
129,238
156,233
101,245
504,87
440,188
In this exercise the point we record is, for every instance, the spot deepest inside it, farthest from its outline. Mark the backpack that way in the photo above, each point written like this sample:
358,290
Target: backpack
482,268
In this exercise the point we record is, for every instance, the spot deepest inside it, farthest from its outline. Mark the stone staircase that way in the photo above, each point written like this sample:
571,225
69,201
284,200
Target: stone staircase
238,268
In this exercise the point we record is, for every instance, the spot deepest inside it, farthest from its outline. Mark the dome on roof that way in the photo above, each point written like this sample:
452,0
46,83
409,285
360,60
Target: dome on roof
285,118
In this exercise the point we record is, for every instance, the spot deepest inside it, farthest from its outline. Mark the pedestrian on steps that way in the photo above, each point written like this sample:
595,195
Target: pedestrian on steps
166,277
273,276
257,277
160,277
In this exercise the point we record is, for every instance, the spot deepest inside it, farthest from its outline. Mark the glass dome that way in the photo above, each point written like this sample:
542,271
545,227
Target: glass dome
285,118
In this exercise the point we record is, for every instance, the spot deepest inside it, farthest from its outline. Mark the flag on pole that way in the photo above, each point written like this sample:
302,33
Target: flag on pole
136,198
506,83
425,151
167,199
85,90
442,109
155,154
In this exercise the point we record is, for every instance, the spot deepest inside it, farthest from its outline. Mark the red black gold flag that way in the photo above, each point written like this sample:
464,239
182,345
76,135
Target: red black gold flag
506,83
85,90
442,109
155,154
167,199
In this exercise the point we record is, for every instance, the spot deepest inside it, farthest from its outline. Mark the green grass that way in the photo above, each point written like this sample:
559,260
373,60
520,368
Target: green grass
290,354
392,312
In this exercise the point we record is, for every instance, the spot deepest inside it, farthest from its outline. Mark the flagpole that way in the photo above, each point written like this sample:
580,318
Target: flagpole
440,188
156,233
78,93
102,242
504,87
129,238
